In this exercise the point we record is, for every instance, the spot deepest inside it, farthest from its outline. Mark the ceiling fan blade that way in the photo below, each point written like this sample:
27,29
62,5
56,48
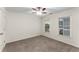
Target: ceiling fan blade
43,9
38,8
34,9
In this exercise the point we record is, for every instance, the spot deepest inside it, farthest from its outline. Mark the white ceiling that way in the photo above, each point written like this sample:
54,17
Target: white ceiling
29,9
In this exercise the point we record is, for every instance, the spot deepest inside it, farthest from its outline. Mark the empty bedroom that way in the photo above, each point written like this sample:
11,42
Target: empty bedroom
39,29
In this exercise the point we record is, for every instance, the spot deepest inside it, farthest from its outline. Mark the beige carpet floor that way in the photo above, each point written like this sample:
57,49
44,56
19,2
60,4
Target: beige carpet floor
39,44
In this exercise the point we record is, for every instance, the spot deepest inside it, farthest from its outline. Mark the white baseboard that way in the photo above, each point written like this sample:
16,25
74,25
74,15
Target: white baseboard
62,41
26,37
2,47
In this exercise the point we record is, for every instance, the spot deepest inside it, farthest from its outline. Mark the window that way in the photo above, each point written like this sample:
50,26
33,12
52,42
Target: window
64,26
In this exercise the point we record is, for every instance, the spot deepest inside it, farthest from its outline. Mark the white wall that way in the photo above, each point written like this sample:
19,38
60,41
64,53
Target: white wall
2,27
74,29
21,26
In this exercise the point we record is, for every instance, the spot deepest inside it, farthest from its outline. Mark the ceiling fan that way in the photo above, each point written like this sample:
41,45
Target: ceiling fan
39,10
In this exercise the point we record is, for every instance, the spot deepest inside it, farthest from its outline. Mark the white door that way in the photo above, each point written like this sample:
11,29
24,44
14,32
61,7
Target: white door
2,35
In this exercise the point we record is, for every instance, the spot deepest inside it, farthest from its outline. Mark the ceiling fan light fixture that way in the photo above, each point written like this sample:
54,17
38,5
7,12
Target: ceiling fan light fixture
38,13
